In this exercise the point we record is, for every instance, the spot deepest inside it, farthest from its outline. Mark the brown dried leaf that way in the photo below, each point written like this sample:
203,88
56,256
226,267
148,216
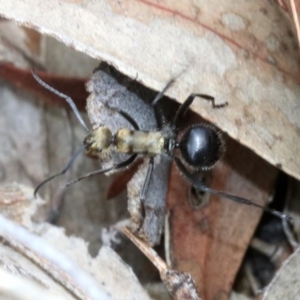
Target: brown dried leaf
210,242
119,183
230,50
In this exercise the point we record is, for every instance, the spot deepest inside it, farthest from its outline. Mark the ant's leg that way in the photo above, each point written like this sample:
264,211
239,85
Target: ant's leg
138,224
124,114
123,164
186,104
64,170
201,186
159,115
145,187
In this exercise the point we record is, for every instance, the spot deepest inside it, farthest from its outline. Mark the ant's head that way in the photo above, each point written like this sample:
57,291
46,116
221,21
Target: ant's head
98,140
202,146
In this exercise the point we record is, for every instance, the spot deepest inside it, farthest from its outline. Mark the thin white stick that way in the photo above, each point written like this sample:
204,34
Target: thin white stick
20,288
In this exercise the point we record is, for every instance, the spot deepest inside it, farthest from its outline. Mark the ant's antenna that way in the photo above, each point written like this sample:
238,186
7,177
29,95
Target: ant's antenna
64,170
61,95
201,186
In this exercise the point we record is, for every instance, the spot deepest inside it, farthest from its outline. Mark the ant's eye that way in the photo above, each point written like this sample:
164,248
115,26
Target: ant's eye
201,146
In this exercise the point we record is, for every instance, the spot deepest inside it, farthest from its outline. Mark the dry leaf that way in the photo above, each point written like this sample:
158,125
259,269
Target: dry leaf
236,54
121,180
230,50
210,241
34,259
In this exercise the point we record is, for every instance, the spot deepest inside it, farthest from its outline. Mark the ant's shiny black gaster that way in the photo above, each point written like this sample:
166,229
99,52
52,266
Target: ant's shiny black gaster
201,146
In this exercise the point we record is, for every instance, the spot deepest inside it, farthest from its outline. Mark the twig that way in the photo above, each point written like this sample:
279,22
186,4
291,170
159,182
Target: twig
180,284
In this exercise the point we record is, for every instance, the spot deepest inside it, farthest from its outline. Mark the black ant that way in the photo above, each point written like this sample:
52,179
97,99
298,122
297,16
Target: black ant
200,147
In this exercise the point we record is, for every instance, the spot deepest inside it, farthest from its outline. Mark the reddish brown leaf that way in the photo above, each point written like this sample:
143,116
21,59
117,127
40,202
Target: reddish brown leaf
119,183
210,242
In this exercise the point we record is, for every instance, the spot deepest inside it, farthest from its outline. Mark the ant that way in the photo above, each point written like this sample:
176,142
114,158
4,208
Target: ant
199,148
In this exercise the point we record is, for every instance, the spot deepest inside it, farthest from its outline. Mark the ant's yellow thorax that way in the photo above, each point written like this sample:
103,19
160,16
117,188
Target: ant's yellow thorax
125,141
129,141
